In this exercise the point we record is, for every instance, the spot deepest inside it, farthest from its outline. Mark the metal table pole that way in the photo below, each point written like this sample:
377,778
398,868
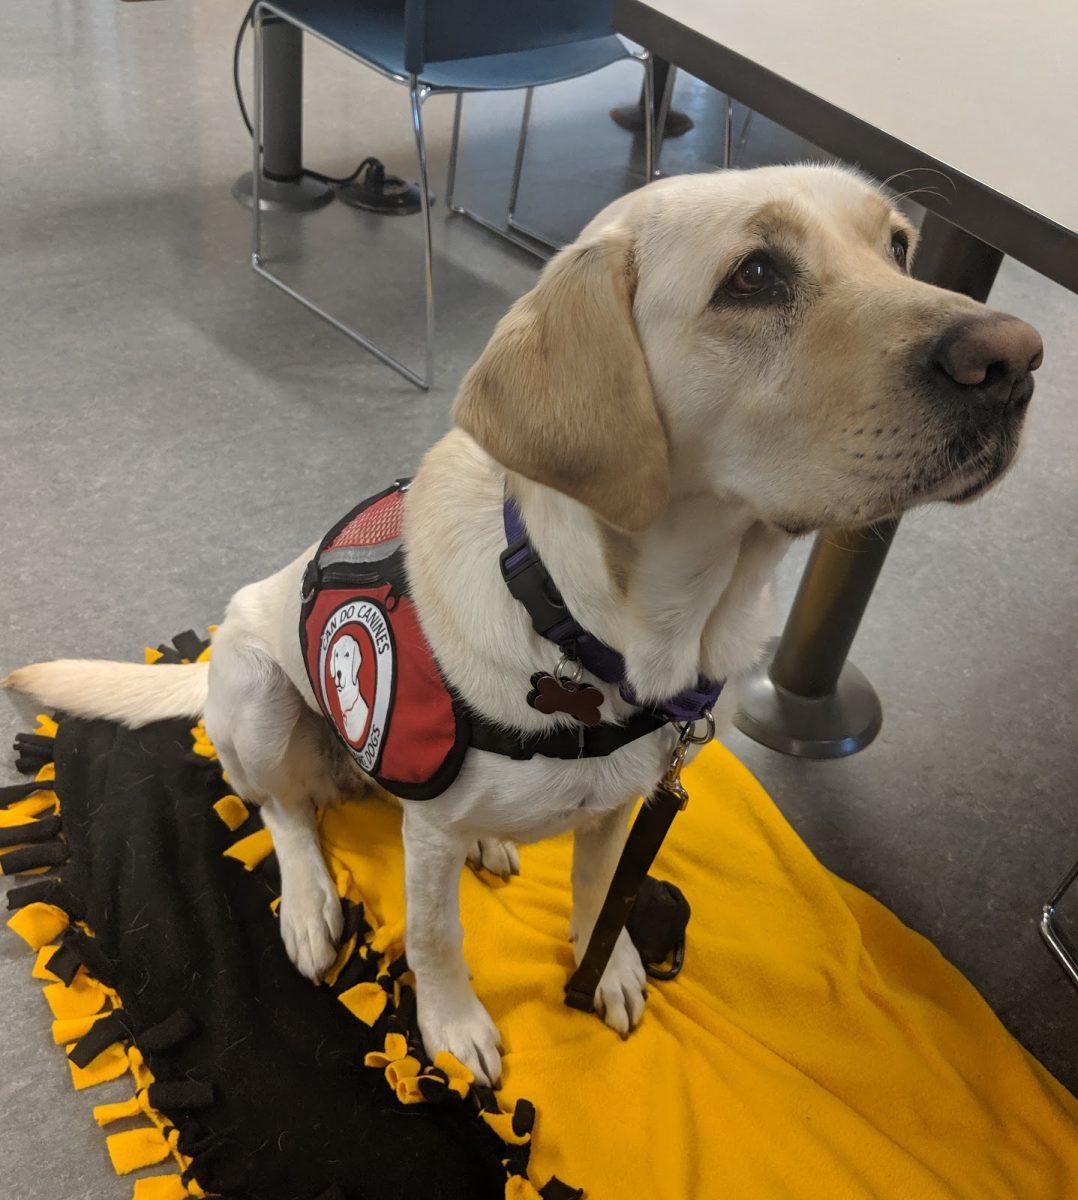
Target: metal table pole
284,186
806,699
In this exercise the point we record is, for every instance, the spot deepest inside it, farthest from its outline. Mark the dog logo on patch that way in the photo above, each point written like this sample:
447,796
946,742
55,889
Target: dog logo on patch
356,674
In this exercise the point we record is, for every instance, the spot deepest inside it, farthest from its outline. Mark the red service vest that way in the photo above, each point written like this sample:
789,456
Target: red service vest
370,665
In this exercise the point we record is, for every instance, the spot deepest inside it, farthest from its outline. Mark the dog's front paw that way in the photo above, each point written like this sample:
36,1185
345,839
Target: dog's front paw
622,991
311,924
494,855
462,1026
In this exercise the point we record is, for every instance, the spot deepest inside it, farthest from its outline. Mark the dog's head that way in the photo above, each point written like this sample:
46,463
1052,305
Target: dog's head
756,334
345,662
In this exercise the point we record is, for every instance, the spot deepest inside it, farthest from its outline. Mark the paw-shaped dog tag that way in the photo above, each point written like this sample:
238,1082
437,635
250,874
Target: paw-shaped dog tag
551,695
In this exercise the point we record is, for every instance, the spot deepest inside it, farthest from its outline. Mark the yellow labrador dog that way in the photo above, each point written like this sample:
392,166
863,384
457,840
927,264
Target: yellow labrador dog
718,364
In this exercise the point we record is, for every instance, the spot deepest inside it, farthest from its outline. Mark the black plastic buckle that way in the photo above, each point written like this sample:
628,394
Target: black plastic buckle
310,581
529,582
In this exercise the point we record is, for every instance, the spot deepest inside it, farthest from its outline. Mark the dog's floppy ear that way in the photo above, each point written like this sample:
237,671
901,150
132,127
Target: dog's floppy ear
561,394
357,662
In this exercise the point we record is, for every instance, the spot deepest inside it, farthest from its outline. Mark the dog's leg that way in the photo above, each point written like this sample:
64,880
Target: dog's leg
271,747
451,1016
310,912
620,996
495,855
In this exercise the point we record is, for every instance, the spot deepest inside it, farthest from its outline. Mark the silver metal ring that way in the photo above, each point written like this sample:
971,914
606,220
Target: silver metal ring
559,670
688,731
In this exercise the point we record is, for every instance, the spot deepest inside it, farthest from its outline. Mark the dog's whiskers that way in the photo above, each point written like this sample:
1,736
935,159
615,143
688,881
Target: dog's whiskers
918,191
910,171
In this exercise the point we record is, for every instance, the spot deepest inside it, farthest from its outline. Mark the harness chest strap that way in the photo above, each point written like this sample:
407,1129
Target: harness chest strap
596,741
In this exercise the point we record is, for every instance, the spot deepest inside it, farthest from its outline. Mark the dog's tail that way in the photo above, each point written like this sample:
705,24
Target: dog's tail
128,692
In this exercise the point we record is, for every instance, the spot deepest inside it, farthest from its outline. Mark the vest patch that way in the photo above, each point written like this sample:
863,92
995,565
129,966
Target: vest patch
355,670
369,663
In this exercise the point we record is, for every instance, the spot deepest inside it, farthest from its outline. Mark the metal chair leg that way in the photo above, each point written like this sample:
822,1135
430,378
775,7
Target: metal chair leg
741,141
645,59
511,221
1051,934
256,139
454,147
662,116
531,242
728,135
258,262
418,94
518,165
649,115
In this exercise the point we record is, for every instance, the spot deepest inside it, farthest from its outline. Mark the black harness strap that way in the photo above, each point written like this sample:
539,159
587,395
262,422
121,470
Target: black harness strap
646,836
596,741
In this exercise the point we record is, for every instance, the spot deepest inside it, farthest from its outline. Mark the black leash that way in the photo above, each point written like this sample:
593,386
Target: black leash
642,845
647,834
528,581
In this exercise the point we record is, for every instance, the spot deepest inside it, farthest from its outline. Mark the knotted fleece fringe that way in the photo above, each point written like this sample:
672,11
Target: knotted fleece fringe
88,1014
370,977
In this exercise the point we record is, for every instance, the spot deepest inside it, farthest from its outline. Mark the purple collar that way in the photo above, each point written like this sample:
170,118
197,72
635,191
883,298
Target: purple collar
529,581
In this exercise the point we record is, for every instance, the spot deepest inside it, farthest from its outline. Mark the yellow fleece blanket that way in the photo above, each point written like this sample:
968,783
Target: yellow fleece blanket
813,1048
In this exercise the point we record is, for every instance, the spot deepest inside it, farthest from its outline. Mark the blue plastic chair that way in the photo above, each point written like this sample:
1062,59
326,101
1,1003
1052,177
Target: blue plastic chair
435,47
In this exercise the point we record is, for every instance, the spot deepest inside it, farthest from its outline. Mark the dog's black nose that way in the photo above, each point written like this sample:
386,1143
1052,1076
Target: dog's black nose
991,358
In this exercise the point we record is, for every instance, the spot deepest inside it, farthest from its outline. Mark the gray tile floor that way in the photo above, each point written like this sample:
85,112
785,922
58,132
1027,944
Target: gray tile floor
168,418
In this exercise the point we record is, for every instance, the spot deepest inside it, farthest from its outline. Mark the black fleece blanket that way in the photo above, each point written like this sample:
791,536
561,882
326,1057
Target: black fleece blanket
275,1102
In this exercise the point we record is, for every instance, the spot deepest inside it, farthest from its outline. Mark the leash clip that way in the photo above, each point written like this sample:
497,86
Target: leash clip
687,736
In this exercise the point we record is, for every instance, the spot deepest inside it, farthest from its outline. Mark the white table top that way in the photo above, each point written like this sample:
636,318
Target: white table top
989,87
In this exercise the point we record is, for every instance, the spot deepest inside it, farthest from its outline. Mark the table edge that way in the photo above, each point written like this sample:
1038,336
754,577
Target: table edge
1032,238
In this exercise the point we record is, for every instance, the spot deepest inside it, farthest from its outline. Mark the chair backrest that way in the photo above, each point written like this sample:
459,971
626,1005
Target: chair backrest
439,30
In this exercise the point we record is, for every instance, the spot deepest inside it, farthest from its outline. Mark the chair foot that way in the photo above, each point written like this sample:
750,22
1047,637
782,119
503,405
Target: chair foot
1050,931
421,382
514,233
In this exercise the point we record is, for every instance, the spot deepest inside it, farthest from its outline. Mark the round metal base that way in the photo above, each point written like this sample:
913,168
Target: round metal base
631,117
833,726
399,201
303,195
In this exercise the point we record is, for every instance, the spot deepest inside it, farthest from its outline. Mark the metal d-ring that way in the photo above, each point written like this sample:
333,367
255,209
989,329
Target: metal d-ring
562,676
688,732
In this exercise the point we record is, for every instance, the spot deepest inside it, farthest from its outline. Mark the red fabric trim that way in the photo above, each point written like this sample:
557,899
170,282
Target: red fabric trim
379,523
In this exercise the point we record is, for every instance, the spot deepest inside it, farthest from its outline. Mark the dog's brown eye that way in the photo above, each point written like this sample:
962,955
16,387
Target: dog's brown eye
900,248
752,276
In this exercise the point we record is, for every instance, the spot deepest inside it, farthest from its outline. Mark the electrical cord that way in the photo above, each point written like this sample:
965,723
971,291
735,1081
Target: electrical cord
369,163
